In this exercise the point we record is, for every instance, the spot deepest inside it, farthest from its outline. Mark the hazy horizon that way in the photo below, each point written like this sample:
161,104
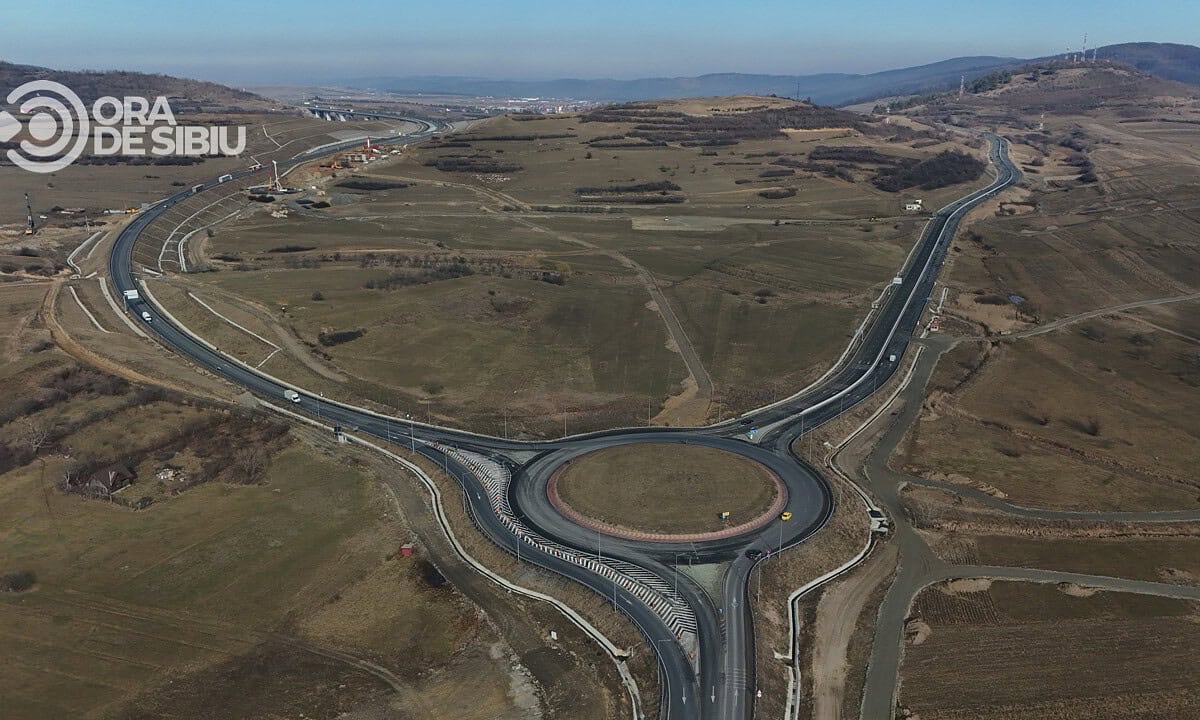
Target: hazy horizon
242,44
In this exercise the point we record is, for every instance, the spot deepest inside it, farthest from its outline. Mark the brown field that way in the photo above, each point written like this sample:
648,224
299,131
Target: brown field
692,485
1032,651
1165,559
1093,416
764,290
248,588
1098,414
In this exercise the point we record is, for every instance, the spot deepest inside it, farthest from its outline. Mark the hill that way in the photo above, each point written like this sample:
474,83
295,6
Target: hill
824,88
1164,60
1053,87
89,84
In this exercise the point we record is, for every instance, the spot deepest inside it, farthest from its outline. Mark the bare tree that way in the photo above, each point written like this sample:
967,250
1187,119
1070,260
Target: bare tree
33,434
250,462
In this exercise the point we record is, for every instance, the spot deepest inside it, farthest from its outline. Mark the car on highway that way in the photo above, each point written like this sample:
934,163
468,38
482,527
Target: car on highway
787,515
754,553
146,316
879,521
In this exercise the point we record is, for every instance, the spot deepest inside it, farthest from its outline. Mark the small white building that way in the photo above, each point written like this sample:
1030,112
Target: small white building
913,206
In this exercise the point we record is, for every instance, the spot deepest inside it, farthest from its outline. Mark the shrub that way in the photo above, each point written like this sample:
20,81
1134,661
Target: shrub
778,194
17,581
445,271
658,186
317,296
365,184
946,168
337,337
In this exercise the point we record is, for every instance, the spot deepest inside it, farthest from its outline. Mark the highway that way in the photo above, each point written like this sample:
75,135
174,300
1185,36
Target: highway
719,681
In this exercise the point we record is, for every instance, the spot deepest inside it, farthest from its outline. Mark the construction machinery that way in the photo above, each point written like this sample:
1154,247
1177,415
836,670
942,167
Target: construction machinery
30,228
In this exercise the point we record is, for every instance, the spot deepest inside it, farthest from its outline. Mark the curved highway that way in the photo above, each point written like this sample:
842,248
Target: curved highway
714,679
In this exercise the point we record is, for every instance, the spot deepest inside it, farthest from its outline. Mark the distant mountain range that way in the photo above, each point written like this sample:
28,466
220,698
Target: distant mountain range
1173,62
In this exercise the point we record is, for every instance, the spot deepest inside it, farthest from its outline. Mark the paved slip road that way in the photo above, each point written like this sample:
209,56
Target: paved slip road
723,686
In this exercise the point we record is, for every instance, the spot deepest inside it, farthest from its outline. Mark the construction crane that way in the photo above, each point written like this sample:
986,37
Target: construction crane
29,227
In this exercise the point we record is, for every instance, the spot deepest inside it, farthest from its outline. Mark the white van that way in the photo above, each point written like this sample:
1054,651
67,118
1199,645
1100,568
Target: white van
146,316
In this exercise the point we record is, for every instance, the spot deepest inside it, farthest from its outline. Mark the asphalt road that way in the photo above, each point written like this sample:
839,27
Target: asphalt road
724,686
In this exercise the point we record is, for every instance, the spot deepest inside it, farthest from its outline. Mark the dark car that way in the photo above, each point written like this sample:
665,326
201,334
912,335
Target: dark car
754,553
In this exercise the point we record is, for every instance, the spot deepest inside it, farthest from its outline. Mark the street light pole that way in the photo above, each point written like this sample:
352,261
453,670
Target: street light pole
675,589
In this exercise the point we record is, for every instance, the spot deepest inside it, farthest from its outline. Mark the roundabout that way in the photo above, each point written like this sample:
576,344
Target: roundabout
667,492
702,638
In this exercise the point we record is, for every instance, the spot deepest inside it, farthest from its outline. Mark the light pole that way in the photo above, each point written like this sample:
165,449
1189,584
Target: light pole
675,590
319,396
412,430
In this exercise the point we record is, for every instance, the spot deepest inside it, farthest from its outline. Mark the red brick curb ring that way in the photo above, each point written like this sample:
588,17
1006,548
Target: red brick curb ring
579,518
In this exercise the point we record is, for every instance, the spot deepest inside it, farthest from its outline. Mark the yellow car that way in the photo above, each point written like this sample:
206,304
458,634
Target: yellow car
787,515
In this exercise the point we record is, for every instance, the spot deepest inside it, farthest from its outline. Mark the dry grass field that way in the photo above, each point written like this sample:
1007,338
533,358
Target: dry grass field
516,267
1013,651
1094,416
692,486
249,585
1100,413
1161,559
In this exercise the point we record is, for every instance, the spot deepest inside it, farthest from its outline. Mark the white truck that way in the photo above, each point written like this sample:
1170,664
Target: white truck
291,395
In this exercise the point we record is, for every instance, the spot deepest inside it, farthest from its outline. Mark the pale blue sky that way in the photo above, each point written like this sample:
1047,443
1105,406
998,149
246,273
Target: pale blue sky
304,41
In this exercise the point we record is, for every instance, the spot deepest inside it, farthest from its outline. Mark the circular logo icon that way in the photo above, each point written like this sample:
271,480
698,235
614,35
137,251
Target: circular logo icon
58,126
